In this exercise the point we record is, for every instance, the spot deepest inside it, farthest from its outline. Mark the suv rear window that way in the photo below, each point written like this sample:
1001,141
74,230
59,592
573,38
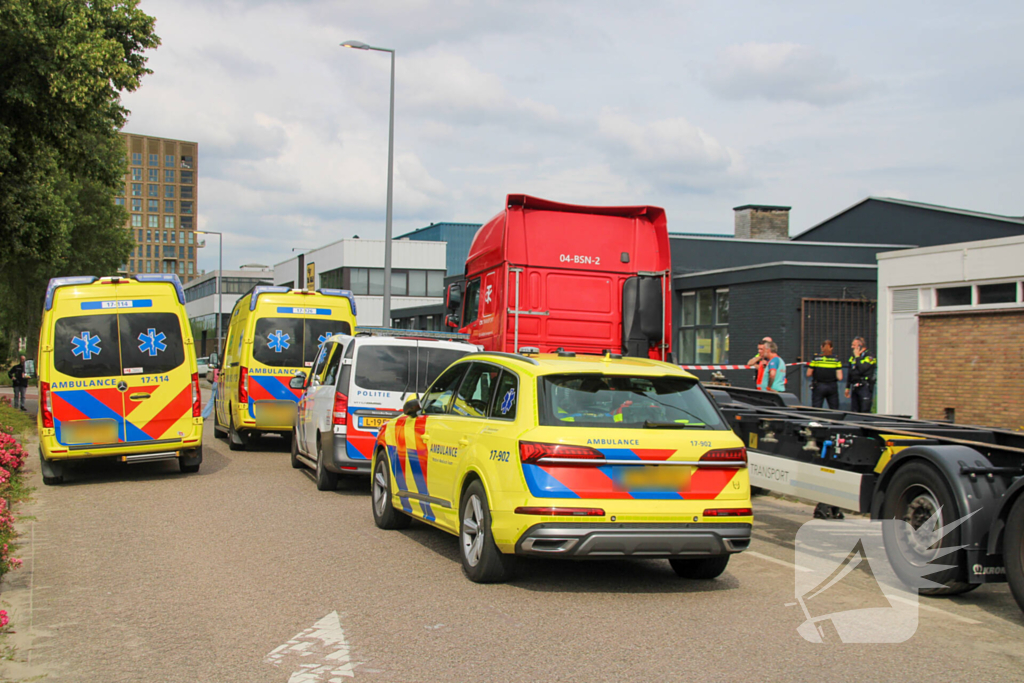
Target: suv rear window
383,367
626,402
94,346
293,342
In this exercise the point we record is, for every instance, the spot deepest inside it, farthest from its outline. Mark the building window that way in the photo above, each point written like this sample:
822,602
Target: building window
156,235
169,160
168,206
1002,293
153,205
953,296
181,252
168,176
149,251
191,253
131,266
165,237
181,235
190,268
435,283
181,267
417,283
186,192
119,201
149,266
186,161
136,205
398,283
154,190
154,159
136,174
191,238
154,175
704,327
186,177
169,191
136,220
149,235
136,189
169,222
140,235
154,221
186,207
185,222
136,158
174,236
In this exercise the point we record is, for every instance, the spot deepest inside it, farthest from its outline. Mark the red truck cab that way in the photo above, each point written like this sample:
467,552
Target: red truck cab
558,276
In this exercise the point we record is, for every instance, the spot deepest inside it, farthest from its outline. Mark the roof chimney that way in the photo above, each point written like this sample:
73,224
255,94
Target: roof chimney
761,222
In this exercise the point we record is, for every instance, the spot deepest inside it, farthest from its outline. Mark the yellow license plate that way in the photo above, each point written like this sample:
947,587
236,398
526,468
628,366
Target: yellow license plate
654,479
90,431
372,422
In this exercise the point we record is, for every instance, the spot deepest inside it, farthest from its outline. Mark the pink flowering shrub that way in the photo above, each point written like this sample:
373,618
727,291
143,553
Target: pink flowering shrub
12,457
5,401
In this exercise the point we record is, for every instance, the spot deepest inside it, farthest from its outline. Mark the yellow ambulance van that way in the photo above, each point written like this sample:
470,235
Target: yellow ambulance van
274,333
117,373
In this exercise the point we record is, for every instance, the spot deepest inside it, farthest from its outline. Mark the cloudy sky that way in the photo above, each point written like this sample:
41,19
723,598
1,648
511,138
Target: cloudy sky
693,106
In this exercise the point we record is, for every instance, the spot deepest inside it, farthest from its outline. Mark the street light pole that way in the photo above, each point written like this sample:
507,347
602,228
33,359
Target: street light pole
386,322
220,292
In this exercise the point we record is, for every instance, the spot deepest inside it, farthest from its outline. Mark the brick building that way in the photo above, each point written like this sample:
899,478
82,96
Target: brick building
161,194
951,332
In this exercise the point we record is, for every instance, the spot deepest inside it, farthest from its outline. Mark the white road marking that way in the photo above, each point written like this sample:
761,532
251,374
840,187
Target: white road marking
776,560
325,644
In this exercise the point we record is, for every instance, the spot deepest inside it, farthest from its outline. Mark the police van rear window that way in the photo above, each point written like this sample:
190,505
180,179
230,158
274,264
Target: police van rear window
92,346
293,342
381,367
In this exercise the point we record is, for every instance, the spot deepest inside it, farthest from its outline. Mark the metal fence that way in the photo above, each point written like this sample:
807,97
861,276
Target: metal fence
839,320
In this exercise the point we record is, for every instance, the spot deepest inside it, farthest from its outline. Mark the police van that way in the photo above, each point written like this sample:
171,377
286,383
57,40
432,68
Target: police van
355,386
274,332
117,373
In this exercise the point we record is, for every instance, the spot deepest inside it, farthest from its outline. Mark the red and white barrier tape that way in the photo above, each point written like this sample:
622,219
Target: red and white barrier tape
729,367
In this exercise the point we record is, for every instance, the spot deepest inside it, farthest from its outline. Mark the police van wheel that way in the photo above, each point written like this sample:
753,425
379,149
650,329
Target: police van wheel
1013,551
325,479
53,472
703,569
295,449
916,494
385,516
481,559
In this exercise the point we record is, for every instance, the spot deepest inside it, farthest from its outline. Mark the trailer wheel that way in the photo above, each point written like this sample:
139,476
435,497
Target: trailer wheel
1013,551
920,496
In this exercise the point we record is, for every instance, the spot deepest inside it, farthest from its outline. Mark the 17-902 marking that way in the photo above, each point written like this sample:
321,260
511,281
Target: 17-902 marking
500,456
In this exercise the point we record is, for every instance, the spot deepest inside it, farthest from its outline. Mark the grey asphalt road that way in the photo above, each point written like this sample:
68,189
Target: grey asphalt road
139,573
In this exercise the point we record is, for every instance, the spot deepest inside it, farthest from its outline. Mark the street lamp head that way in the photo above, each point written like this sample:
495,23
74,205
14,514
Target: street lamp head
355,44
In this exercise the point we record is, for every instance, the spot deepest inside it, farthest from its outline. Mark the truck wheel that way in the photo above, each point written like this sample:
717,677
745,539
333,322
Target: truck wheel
920,496
481,559
702,569
295,449
1013,551
325,479
385,516
53,472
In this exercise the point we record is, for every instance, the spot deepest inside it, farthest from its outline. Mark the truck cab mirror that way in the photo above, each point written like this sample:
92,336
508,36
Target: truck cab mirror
412,407
453,298
298,381
452,320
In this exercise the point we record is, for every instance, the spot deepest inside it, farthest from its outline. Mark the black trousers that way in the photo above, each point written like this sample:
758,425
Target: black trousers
825,391
860,398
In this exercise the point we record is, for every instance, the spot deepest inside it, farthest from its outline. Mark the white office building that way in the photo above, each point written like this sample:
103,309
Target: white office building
417,273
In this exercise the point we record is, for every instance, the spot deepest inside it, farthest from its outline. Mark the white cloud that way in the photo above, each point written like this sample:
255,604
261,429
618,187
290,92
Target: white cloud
782,72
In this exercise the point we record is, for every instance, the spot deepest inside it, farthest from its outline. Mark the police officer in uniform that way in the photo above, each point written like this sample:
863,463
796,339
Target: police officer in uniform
825,372
860,388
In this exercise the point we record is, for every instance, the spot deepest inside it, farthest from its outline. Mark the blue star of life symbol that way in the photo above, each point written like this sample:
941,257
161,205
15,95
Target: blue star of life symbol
152,342
506,403
323,338
85,346
279,341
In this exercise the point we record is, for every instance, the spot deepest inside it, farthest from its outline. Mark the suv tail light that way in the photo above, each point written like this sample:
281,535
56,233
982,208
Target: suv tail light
197,407
726,456
46,404
243,384
530,452
340,408
561,512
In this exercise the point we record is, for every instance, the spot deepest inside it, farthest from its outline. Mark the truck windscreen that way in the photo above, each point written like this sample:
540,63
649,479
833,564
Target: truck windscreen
630,402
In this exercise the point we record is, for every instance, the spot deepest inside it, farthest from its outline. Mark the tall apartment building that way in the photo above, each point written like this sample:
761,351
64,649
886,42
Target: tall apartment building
161,196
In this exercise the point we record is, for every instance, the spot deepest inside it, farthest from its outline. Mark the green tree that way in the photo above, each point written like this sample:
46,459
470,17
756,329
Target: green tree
63,67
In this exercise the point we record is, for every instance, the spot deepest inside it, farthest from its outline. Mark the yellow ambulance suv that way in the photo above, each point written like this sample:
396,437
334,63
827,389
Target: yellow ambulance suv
117,373
565,456
274,333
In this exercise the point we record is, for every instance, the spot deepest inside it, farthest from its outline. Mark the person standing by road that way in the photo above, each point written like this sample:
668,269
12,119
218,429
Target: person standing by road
825,372
19,380
759,361
860,388
774,378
